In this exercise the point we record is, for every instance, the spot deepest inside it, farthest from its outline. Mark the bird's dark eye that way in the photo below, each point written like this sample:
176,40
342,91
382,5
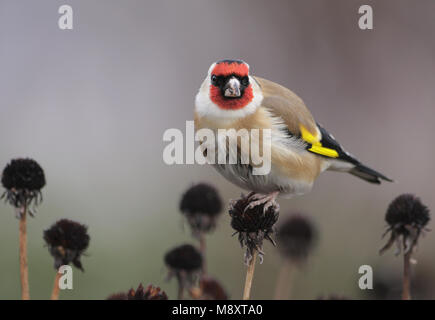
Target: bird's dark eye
245,81
214,79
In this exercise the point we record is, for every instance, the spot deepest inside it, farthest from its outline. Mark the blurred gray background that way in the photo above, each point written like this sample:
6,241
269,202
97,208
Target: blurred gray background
91,105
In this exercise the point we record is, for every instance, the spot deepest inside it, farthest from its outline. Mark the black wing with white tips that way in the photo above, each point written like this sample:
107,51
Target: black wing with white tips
359,170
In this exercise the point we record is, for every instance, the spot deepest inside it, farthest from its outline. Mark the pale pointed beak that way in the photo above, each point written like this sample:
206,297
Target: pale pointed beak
232,88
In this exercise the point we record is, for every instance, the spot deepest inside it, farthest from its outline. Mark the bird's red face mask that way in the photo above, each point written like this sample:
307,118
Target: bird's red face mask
230,88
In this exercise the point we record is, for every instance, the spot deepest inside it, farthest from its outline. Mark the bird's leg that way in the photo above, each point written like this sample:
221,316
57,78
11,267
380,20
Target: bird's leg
258,199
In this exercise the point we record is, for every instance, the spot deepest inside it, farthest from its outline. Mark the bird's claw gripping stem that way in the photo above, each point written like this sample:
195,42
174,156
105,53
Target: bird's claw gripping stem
258,199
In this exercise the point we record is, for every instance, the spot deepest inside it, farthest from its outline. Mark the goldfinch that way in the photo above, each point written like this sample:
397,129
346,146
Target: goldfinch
231,98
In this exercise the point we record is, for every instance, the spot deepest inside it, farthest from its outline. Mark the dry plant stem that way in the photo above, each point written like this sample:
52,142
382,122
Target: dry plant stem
406,295
180,292
55,292
283,282
202,249
24,268
195,293
250,276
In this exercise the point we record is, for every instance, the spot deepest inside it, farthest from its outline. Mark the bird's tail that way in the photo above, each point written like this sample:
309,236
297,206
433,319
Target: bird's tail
370,175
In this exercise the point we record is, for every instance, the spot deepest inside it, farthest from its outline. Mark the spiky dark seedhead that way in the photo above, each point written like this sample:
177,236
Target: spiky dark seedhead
296,237
201,204
201,198
23,180
23,174
185,263
66,241
150,293
118,296
333,296
407,218
253,225
185,257
407,209
211,289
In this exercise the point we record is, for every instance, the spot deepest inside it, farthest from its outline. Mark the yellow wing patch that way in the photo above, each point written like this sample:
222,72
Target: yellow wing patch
316,145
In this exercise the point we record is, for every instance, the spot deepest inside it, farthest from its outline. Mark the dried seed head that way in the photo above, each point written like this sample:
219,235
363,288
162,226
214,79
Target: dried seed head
23,180
253,224
407,218
23,174
201,205
118,296
185,263
333,296
150,293
211,289
407,209
296,237
185,257
66,241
